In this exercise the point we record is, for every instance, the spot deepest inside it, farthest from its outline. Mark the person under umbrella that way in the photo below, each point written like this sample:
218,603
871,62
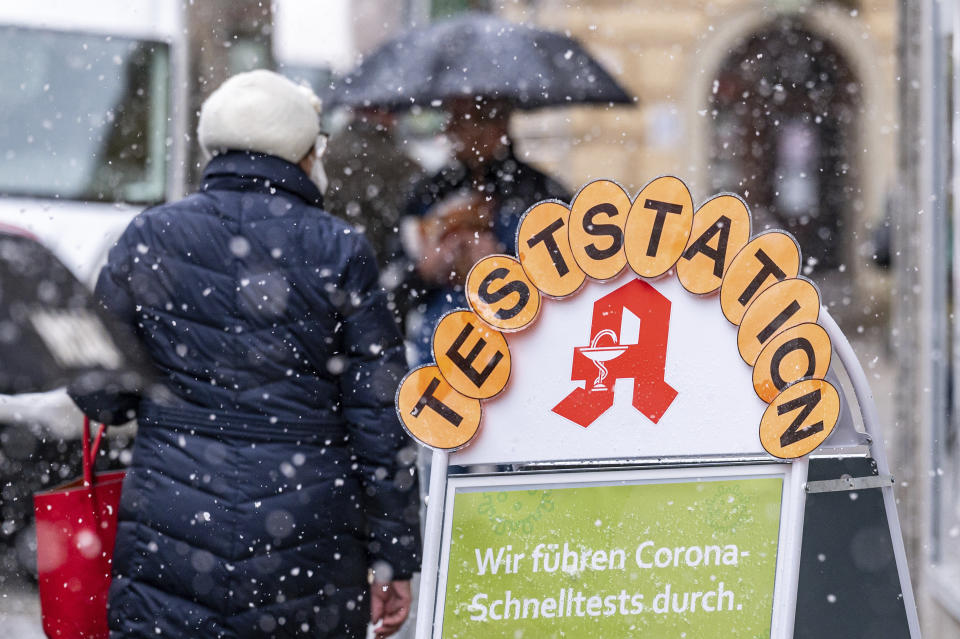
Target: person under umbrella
468,210
273,474
480,69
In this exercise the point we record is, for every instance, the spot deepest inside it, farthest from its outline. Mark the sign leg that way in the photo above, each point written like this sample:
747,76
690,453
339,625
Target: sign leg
871,422
431,545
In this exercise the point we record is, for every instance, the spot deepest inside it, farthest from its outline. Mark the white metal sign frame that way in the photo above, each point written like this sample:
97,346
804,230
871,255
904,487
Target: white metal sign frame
791,522
863,397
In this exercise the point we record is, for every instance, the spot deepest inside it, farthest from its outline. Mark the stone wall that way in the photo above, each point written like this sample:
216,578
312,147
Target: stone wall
667,55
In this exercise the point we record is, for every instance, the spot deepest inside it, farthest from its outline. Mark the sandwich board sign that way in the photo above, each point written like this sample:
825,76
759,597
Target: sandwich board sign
655,378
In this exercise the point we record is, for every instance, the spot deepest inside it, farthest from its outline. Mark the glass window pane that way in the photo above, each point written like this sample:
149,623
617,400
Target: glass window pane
82,116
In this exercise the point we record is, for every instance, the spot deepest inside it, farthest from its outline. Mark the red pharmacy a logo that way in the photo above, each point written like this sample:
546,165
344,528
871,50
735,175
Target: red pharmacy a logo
606,359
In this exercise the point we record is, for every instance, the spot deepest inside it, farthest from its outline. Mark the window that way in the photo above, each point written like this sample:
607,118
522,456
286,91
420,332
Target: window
82,117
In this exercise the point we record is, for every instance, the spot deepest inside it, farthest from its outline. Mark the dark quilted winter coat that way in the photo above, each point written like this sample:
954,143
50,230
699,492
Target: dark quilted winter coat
273,472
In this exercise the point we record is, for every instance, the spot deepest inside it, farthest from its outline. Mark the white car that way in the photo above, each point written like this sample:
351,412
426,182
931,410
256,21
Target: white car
92,121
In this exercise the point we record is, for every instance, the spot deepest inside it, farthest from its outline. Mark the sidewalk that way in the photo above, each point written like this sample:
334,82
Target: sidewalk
20,612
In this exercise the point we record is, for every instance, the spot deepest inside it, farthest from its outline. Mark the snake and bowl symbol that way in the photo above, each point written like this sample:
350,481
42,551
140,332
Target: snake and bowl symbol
600,354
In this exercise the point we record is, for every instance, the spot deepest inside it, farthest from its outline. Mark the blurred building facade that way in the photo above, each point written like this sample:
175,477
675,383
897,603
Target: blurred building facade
790,104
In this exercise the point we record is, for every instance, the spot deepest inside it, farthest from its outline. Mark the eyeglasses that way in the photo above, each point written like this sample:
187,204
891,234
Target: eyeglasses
320,146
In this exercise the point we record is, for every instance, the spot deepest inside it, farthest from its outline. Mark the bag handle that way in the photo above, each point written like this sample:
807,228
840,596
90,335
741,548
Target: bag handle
90,452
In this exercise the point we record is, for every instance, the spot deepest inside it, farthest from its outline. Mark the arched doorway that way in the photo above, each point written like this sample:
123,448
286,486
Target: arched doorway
784,104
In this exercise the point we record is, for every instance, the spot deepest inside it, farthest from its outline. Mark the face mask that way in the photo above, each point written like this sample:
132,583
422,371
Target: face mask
318,176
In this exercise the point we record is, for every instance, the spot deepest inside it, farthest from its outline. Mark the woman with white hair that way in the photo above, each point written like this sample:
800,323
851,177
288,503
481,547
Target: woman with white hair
271,474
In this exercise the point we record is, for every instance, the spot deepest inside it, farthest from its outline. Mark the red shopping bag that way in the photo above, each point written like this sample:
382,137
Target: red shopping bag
76,528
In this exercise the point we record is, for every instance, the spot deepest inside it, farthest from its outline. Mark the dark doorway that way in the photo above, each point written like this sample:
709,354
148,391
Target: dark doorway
784,107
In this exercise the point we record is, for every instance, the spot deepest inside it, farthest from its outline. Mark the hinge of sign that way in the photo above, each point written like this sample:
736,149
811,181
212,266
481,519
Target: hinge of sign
850,483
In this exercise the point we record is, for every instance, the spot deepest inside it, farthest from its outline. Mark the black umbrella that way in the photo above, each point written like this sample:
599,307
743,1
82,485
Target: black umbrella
479,55
52,331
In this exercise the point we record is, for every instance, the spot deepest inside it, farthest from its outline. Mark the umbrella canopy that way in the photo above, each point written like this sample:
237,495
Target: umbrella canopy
52,331
479,55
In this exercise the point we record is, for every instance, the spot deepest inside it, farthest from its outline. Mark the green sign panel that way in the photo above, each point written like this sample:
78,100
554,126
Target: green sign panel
666,560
